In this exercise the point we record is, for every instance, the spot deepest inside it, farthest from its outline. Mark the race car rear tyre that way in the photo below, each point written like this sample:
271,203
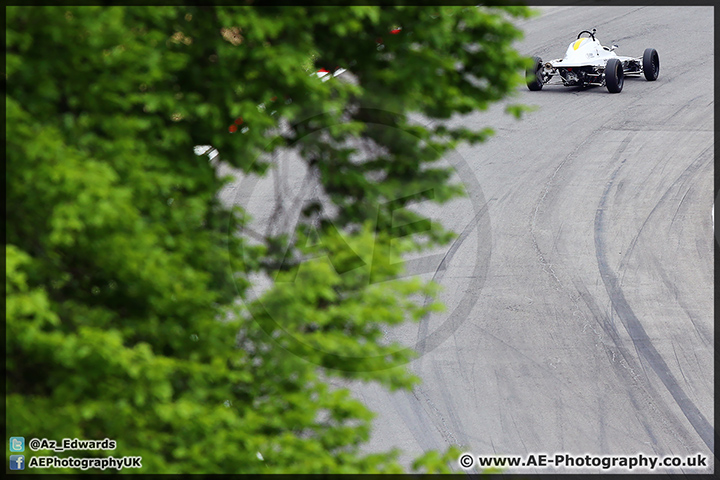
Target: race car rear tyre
534,79
614,76
651,64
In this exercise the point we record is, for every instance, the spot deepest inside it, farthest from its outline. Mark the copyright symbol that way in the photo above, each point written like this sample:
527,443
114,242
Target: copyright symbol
34,444
466,460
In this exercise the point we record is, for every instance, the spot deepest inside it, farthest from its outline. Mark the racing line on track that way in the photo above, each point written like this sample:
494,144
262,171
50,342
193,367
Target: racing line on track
639,336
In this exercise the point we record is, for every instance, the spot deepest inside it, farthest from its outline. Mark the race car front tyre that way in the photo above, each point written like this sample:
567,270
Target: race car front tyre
614,76
533,75
651,64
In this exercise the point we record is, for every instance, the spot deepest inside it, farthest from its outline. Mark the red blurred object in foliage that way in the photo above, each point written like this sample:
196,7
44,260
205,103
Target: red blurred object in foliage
232,129
395,31
238,121
378,40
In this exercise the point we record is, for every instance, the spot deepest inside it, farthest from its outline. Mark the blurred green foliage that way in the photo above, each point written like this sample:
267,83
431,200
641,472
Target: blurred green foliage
126,287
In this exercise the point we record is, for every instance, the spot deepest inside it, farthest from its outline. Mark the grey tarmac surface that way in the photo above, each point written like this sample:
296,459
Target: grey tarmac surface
593,330
580,290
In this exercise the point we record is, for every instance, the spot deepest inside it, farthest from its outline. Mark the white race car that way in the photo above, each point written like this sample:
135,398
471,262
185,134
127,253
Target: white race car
587,63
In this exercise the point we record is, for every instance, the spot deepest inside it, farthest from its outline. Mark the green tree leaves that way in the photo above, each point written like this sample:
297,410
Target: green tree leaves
131,311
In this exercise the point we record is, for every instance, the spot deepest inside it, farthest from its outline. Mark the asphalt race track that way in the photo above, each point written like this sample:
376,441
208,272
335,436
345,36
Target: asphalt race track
593,329
580,289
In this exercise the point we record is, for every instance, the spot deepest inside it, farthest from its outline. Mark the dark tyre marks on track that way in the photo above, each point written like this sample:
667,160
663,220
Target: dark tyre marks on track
639,390
634,327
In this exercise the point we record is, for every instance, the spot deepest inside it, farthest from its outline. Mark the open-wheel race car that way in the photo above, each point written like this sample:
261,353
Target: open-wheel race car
589,63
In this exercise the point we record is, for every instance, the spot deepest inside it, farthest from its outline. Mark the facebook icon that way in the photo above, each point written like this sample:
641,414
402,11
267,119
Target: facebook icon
17,462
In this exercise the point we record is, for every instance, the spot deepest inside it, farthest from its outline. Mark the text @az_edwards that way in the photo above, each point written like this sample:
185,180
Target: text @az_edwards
67,444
